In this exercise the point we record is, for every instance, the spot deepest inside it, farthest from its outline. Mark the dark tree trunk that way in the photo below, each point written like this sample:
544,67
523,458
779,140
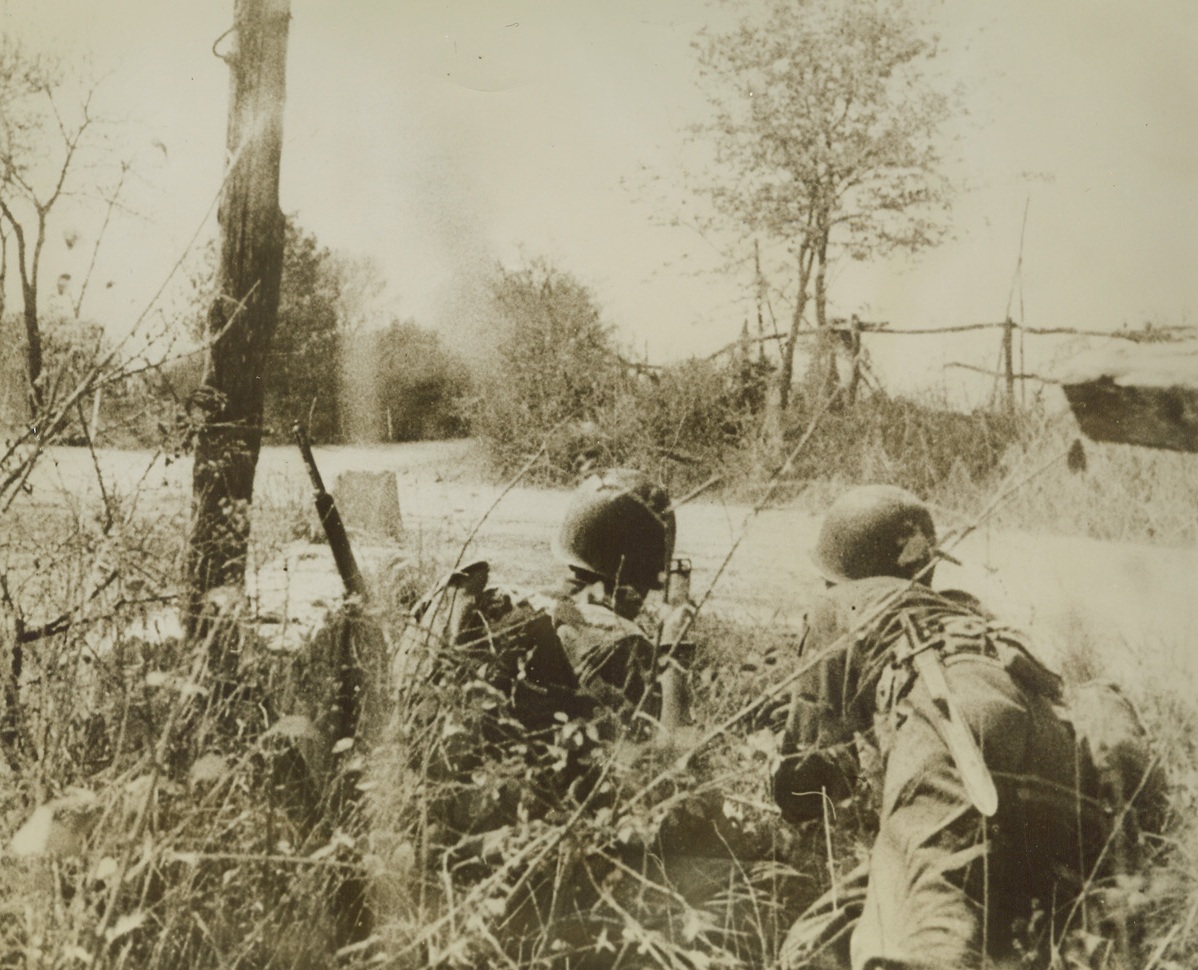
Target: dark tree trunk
786,371
33,354
241,321
825,377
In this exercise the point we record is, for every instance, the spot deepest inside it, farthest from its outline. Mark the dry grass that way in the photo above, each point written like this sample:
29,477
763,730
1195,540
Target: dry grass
165,819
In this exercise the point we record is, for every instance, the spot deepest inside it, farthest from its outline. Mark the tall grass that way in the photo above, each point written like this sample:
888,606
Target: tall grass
159,815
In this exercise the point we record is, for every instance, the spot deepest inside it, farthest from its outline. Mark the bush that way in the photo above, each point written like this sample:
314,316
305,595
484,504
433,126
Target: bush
557,372
903,442
403,385
563,392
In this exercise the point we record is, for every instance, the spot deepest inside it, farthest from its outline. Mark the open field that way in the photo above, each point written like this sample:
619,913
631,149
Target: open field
1135,601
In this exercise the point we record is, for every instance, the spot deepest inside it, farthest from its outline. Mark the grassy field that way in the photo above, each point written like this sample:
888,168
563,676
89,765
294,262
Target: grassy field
156,815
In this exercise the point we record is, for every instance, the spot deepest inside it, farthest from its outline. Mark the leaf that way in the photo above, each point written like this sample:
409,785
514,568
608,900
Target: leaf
208,768
160,678
295,727
125,925
33,837
105,869
58,827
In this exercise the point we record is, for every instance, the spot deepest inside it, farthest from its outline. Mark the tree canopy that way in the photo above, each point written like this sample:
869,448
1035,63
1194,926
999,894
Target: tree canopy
824,124
303,371
558,369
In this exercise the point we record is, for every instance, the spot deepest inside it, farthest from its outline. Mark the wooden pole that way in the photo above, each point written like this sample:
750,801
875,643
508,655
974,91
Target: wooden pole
94,431
1008,345
855,354
242,318
759,286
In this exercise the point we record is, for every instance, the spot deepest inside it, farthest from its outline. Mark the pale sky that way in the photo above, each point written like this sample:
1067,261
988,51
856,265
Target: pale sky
440,137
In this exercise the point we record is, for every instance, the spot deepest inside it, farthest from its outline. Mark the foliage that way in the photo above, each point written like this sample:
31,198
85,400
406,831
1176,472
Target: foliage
920,446
330,369
824,127
304,362
557,366
1124,494
417,388
48,136
563,393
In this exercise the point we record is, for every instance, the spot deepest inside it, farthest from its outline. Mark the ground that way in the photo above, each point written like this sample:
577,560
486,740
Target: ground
1128,610
1135,602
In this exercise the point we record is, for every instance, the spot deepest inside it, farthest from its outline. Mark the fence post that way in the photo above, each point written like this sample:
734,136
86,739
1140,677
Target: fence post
855,352
1008,346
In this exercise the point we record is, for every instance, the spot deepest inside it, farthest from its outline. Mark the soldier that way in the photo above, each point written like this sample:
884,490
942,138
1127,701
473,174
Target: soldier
544,673
986,828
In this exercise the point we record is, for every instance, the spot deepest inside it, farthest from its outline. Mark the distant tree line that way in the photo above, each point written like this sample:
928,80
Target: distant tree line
336,371
343,377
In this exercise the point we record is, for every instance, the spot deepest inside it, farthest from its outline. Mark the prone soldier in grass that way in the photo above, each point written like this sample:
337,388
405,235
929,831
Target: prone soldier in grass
988,824
533,681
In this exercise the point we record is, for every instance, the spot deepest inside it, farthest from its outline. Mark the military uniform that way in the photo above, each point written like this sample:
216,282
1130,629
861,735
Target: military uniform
514,668
945,884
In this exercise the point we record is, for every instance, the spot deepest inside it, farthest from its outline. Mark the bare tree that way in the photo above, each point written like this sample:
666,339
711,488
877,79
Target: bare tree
241,321
824,125
43,132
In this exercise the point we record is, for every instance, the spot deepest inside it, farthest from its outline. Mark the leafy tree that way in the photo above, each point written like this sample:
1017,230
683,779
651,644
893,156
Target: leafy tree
331,368
420,387
558,365
824,124
304,366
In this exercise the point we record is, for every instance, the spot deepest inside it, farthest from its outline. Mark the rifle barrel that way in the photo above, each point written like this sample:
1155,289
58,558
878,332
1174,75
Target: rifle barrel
330,521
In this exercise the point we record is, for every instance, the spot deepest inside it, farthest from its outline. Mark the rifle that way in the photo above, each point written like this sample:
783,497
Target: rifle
352,912
330,520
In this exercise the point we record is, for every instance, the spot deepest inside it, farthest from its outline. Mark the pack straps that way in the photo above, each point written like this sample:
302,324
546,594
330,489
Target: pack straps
947,719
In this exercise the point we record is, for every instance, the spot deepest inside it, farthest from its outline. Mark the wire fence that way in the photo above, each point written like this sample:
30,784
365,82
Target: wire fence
849,333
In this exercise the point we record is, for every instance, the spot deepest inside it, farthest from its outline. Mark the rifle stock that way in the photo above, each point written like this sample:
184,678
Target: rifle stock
330,521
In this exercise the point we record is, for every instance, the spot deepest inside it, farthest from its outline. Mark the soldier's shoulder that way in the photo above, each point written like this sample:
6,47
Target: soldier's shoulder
859,594
869,604
965,601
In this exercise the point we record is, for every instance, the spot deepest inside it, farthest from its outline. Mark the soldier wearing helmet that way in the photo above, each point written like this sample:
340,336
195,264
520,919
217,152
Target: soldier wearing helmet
987,824
583,652
619,530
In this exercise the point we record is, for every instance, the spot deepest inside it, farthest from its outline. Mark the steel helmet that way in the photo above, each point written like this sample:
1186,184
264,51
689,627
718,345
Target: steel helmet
875,530
619,527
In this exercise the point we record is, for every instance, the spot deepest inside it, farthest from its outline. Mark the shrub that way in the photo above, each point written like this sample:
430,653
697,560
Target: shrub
557,370
903,442
405,386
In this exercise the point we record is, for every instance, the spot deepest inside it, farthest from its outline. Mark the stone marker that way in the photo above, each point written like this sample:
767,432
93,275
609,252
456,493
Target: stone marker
369,503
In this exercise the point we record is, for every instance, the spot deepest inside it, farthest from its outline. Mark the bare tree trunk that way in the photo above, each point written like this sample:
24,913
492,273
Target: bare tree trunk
33,330
242,319
1008,360
33,354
